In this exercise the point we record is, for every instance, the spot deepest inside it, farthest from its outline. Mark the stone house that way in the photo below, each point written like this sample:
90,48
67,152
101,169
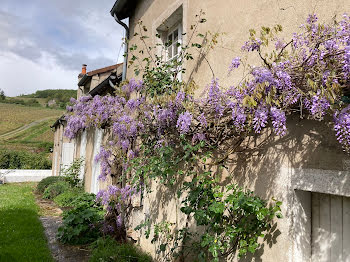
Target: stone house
306,169
97,82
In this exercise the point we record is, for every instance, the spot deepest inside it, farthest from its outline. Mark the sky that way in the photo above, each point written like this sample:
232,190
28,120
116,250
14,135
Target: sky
43,43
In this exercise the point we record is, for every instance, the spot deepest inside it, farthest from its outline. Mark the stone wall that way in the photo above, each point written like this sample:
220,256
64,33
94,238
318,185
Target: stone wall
23,175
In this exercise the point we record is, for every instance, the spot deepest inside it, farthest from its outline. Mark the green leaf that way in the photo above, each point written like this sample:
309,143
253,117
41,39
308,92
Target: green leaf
162,247
217,207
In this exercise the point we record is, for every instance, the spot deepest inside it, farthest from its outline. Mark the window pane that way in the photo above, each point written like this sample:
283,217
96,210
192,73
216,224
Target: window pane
175,48
170,53
175,35
170,39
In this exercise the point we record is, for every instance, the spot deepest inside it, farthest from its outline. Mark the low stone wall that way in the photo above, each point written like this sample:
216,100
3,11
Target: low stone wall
23,175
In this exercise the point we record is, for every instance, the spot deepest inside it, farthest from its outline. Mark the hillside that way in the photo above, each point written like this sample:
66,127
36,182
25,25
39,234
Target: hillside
52,98
57,98
14,116
26,128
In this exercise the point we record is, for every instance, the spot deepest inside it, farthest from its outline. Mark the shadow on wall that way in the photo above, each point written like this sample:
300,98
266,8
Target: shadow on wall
308,144
257,166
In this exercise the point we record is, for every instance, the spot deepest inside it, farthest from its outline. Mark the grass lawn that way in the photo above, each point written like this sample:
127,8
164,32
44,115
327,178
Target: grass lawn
21,233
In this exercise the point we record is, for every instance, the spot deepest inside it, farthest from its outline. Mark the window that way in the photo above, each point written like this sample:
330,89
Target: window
170,38
173,42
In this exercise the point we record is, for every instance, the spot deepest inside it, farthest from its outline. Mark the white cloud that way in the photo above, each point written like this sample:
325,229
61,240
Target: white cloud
22,76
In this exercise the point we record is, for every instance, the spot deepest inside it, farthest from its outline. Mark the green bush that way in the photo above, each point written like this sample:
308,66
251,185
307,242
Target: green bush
29,102
23,160
56,189
71,173
108,250
44,183
46,146
86,200
81,225
67,198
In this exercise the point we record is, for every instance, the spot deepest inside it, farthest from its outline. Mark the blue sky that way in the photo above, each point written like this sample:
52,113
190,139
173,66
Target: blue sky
43,43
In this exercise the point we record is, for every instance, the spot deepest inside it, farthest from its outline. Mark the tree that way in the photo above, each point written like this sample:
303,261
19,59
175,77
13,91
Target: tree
2,95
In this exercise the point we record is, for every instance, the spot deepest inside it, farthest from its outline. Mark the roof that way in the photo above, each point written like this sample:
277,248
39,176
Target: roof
104,69
88,75
106,84
123,8
58,122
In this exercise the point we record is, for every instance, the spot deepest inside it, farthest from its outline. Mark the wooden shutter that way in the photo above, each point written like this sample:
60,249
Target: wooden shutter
330,228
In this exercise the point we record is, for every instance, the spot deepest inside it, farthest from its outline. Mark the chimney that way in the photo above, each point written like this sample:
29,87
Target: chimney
83,69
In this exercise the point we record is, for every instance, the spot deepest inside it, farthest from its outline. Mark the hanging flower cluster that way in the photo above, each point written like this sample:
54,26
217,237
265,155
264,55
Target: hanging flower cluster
310,72
117,203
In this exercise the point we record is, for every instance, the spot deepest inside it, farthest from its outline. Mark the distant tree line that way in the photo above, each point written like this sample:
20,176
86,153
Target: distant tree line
54,98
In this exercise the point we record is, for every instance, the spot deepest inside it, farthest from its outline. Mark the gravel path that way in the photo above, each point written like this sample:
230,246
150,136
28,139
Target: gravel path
60,252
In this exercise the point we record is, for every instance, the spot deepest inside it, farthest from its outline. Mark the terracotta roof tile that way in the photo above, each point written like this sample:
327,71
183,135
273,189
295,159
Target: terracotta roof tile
103,70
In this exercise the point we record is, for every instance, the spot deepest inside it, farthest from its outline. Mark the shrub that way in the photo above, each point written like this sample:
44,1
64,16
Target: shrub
67,198
23,160
71,172
86,200
46,146
108,250
81,225
55,189
44,183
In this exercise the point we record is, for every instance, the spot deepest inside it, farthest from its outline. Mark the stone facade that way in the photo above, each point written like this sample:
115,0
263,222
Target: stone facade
308,159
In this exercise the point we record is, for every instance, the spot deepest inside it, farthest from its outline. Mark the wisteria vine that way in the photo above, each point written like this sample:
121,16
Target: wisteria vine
310,75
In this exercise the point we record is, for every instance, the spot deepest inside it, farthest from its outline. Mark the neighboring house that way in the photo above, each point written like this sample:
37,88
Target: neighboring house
86,145
306,170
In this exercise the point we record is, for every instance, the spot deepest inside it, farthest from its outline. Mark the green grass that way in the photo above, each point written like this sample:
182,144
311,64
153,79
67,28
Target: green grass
107,249
35,134
42,101
21,233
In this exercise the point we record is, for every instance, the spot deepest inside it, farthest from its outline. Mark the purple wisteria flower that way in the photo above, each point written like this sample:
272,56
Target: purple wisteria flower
180,97
215,98
346,63
198,137
106,162
184,122
278,121
235,63
342,128
260,118
239,117
202,120
279,44
311,19
252,45
317,106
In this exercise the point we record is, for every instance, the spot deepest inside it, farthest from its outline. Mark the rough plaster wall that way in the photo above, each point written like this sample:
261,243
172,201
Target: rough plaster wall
89,158
267,167
55,156
233,18
59,151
